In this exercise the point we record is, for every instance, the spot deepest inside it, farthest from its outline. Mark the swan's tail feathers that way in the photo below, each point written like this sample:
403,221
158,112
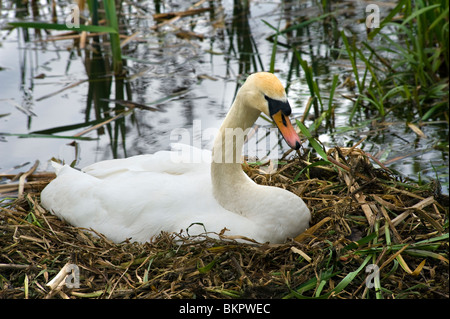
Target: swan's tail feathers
57,167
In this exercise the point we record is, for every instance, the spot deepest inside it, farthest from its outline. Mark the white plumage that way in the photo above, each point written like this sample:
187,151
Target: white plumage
138,197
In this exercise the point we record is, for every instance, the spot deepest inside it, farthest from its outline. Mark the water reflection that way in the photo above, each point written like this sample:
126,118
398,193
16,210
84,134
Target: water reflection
241,43
188,69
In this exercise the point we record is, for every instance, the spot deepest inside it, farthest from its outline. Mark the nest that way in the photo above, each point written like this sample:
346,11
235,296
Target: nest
361,216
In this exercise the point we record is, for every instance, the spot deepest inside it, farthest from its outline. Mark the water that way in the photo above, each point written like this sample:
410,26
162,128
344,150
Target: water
193,79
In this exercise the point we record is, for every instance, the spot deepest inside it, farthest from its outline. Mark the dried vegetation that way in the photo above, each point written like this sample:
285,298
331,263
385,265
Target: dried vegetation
361,215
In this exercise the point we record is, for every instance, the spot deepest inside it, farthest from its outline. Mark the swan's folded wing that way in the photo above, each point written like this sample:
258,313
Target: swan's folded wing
181,160
134,205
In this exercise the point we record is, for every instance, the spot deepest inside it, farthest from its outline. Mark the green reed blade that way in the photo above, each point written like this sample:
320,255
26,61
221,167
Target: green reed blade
62,27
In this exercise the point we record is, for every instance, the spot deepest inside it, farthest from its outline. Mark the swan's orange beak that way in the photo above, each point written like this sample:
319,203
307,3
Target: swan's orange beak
287,130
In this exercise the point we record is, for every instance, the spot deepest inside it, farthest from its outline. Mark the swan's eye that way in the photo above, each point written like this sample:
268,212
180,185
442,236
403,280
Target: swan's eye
276,105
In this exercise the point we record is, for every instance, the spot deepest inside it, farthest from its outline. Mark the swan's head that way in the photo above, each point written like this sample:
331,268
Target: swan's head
264,92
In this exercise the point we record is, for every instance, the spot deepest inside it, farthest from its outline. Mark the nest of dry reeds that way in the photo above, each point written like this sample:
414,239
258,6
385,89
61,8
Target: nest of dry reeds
361,216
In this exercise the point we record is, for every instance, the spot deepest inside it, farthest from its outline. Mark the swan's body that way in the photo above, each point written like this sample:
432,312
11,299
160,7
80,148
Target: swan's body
138,197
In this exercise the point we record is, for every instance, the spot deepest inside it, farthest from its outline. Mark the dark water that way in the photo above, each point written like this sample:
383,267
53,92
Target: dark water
191,78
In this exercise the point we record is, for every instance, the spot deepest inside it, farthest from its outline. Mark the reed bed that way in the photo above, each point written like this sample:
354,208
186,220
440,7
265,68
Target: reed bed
362,215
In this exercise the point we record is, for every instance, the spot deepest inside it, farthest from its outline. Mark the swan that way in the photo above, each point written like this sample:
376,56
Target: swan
138,197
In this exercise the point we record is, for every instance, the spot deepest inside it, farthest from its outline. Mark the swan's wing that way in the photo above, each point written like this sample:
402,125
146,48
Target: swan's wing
181,160
141,204
133,204
135,197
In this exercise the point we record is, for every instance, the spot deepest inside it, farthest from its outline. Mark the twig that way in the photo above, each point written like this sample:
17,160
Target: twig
14,266
122,114
24,176
180,14
61,90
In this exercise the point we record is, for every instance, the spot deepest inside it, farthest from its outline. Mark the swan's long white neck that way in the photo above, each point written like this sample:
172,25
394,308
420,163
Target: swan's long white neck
232,188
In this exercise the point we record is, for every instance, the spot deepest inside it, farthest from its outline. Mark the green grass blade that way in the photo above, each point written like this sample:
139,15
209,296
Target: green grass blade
208,267
30,135
63,27
318,163
111,17
425,253
361,242
305,23
320,288
419,12
308,72
66,128
348,279
317,147
310,284
352,59
333,88
274,46
438,19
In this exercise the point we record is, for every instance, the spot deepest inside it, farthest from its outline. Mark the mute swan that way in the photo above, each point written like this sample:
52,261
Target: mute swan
138,197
